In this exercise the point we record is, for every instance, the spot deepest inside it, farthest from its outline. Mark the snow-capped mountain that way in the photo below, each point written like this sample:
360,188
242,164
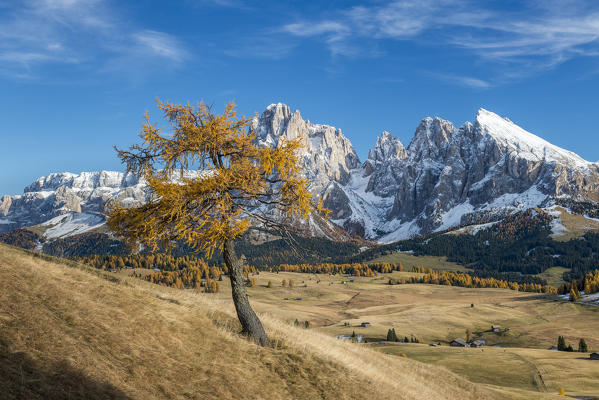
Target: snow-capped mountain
446,176
489,167
66,204
327,155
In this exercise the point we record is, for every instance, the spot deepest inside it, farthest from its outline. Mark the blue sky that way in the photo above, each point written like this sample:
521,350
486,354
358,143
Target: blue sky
77,75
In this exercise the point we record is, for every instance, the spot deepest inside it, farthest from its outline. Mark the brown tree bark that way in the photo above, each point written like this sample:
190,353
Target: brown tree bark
252,327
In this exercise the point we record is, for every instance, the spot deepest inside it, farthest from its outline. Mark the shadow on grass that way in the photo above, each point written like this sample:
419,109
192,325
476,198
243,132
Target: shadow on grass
22,378
541,297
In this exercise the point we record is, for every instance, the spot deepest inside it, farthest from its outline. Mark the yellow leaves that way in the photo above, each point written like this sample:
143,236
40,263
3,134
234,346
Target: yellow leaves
282,159
322,210
235,180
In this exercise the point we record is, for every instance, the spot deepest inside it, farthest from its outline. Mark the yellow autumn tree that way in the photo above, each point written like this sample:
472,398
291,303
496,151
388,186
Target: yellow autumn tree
209,183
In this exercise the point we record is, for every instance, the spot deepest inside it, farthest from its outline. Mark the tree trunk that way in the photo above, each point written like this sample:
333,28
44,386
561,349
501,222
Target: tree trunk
252,327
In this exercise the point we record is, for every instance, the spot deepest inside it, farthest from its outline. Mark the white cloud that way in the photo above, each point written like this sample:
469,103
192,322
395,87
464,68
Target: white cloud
266,45
323,27
70,32
539,35
160,44
467,81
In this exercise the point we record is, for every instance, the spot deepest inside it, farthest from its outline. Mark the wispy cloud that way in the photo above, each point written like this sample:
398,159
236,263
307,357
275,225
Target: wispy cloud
537,36
160,44
263,45
37,33
332,28
334,32
460,80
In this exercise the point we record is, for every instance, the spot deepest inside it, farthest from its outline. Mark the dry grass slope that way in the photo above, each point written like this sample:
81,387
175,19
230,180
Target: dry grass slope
576,225
68,332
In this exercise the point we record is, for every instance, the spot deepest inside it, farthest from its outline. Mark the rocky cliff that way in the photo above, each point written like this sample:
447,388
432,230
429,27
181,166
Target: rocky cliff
446,176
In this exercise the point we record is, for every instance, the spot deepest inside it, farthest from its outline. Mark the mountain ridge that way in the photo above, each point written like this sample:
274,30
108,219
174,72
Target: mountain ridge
445,177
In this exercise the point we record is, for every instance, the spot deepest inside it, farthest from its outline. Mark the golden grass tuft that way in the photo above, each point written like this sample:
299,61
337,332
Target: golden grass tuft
73,333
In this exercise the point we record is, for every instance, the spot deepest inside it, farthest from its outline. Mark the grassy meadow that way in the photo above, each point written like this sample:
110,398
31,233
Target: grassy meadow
409,261
576,225
70,332
82,333
523,367
519,369
554,276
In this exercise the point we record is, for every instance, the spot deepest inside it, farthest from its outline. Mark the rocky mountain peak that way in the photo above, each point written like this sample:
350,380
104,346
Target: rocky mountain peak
272,123
431,138
387,147
327,153
510,136
84,180
446,177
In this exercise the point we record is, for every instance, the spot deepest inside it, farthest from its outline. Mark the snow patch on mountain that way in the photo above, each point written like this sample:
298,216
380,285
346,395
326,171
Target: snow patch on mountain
453,217
527,145
473,229
71,224
366,207
557,228
399,231
447,176
530,198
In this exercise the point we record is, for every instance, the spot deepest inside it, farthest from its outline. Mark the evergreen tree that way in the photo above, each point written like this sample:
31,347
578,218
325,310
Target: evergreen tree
306,324
392,336
561,343
582,346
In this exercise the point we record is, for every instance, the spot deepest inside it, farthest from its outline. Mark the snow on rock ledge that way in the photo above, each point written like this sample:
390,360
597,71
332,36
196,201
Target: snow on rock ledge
445,177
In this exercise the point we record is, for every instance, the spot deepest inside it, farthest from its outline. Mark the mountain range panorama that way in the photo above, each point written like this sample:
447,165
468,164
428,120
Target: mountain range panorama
447,176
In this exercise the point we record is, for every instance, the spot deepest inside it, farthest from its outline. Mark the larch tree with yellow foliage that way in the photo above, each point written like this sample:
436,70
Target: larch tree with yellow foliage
209,183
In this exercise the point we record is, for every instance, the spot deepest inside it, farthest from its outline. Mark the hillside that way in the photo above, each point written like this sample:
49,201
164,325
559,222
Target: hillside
70,332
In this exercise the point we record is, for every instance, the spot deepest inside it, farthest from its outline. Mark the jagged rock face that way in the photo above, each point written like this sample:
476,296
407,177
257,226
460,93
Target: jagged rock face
431,140
336,200
5,204
65,200
355,228
380,159
387,148
65,193
446,176
327,155
493,164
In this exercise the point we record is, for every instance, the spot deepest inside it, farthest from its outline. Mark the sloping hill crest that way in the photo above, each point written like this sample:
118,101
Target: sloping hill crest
70,332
